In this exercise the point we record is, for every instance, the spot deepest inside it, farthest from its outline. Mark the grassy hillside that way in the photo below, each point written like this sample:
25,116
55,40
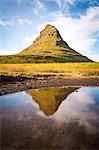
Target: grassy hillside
19,59
63,69
49,47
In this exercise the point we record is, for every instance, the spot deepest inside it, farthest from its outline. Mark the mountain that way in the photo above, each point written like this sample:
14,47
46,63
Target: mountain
49,46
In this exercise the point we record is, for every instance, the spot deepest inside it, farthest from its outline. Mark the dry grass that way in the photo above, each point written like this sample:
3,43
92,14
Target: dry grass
65,69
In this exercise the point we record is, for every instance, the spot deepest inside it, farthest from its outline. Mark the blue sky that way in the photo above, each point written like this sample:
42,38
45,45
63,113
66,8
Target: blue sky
77,20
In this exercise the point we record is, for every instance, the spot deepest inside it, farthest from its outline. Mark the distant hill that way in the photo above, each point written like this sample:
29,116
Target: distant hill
49,46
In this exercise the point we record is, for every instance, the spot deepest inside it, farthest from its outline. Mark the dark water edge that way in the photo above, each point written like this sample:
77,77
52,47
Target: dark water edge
54,118
9,84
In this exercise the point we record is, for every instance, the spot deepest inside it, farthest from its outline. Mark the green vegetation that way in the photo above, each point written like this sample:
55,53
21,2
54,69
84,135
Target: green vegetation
57,69
47,56
20,59
49,47
50,99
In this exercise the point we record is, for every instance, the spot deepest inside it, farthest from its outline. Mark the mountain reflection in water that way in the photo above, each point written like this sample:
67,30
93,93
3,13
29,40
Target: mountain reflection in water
50,99
55,118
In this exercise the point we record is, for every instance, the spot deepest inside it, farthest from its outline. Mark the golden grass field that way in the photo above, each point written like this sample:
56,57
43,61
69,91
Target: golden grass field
65,69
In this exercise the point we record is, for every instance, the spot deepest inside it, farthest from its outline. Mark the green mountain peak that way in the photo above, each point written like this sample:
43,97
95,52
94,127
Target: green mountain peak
48,47
48,41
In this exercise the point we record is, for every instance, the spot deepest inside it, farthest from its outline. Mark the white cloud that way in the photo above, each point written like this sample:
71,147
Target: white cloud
38,7
64,5
23,21
15,21
94,57
65,2
93,2
7,52
77,105
59,3
5,24
80,33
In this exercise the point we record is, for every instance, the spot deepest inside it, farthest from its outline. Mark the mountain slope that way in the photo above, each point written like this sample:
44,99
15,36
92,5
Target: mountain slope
49,46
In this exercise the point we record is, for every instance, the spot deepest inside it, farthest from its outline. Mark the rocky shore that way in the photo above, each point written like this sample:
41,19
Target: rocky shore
11,84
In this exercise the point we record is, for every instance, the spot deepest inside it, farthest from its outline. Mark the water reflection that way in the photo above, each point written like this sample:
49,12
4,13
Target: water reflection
50,99
56,118
82,107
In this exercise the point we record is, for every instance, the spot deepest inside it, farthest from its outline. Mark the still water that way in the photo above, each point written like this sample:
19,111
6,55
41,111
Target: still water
54,118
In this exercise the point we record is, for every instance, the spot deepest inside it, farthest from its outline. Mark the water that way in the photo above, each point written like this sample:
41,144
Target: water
57,118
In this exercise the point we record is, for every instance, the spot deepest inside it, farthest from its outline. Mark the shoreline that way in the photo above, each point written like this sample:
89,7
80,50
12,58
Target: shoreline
10,84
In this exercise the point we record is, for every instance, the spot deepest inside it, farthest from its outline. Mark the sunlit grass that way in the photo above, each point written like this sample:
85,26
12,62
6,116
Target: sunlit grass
65,69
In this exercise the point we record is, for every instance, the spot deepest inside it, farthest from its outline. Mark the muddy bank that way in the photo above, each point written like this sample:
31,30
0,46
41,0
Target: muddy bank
14,84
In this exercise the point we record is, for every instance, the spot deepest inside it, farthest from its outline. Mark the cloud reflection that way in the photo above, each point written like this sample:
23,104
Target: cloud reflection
77,107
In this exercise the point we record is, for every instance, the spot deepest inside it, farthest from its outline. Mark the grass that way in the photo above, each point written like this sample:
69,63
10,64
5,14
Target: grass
48,47
57,69
43,57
